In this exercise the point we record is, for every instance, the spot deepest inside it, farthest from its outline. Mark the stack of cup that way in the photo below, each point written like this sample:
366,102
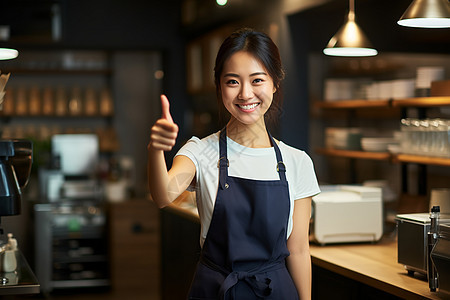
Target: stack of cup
424,77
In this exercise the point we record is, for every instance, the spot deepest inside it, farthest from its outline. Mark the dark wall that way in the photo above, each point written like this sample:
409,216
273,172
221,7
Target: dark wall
135,25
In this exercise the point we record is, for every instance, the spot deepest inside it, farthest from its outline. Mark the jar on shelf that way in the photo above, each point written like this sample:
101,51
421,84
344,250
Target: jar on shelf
441,142
406,131
48,107
75,102
425,139
61,102
21,102
91,103
106,103
35,101
8,102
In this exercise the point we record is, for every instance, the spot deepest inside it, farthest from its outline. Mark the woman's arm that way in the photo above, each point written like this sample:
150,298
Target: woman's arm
165,186
299,261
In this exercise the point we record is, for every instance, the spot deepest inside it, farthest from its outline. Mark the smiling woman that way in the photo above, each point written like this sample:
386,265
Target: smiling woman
254,225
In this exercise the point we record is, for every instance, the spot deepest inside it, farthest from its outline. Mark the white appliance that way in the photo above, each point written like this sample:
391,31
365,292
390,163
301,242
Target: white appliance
78,153
346,214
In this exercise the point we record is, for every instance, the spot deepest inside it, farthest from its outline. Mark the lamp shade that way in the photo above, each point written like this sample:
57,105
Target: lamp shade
350,41
427,14
6,53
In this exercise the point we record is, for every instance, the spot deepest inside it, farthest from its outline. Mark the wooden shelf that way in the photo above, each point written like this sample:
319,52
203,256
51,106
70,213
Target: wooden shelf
348,104
422,102
385,103
426,160
396,158
354,154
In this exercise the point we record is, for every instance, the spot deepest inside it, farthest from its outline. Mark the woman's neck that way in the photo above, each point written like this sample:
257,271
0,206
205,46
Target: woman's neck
252,136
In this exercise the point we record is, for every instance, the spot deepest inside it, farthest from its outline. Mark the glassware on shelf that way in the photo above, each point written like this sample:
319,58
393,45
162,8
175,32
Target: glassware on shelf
429,137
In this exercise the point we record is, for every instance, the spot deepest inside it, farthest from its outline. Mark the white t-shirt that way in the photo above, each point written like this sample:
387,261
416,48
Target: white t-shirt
250,163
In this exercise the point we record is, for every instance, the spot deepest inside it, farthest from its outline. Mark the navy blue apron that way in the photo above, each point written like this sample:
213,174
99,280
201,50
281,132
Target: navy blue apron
243,256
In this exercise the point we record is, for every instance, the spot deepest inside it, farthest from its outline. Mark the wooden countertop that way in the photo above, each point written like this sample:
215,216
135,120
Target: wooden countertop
375,265
372,264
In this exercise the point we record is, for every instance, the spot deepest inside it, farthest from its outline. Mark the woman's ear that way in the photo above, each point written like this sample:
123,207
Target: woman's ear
274,89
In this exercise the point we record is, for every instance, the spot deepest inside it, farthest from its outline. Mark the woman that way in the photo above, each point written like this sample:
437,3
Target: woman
254,225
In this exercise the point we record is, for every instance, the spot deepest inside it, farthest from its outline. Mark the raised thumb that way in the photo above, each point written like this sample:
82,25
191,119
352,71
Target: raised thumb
165,107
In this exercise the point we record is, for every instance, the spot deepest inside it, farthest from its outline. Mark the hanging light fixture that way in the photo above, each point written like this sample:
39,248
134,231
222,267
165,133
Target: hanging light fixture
427,14
350,40
6,53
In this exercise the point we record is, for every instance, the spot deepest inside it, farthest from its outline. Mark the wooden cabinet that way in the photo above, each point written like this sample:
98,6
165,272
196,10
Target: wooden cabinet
135,248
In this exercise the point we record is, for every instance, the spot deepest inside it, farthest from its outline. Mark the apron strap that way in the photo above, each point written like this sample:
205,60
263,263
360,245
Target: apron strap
223,162
281,168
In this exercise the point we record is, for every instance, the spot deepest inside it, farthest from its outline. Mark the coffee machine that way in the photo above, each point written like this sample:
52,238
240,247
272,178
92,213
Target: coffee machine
15,168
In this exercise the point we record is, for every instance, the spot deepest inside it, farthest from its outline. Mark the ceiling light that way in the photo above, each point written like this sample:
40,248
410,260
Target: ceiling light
427,14
350,40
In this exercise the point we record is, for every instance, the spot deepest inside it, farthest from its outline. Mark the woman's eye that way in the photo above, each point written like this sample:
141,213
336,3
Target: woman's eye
258,80
232,81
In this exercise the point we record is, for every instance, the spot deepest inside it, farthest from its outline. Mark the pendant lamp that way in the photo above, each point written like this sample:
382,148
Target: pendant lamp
350,40
427,14
6,53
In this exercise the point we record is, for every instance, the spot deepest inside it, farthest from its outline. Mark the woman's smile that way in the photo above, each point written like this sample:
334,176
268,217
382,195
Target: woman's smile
248,107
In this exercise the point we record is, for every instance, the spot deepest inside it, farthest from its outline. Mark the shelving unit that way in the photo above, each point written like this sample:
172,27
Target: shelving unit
404,160
49,71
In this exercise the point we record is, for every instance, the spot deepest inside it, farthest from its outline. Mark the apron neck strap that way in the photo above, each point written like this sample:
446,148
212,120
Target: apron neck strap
223,163
223,159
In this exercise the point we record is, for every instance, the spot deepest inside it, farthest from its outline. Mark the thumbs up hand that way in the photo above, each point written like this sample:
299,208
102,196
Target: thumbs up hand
164,132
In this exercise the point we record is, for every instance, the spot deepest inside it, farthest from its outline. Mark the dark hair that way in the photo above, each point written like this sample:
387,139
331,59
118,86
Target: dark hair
262,48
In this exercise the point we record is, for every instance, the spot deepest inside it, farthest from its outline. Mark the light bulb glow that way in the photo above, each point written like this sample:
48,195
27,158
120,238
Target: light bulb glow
426,22
349,51
221,2
6,53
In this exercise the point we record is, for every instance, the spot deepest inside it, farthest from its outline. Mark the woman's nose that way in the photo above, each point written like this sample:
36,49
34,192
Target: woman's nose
246,92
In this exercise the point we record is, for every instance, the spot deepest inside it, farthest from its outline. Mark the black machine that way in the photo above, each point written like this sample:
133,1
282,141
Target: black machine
15,167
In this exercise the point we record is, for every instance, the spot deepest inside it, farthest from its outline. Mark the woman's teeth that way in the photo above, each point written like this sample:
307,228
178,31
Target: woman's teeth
248,106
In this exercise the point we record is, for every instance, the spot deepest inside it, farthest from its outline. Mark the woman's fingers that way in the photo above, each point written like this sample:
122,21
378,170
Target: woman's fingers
163,135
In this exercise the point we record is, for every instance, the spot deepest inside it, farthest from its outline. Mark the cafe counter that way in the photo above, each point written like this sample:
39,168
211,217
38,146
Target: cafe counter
341,271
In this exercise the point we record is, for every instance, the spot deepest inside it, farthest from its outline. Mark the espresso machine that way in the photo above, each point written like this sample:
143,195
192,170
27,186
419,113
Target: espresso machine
15,168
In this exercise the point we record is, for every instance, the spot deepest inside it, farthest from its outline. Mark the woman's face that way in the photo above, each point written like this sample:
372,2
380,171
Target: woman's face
246,88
